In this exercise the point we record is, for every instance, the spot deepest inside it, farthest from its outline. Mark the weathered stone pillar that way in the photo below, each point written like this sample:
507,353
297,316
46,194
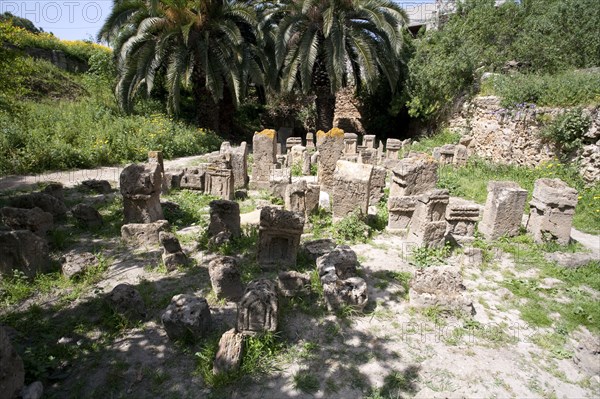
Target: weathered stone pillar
264,148
551,211
140,187
224,219
350,144
279,237
369,141
378,177
410,178
219,182
258,309
301,197
310,141
239,165
413,176
352,183
503,210
428,223
462,217
331,148
193,178
393,147
292,141
444,154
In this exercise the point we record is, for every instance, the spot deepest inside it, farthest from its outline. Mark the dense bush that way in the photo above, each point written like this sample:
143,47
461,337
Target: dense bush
548,36
63,133
22,38
566,89
567,129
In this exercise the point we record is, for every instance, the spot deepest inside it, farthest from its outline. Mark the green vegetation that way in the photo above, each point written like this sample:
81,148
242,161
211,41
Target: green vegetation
567,89
567,130
17,288
471,181
260,356
306,381
53,120
579,308
430,256
480,37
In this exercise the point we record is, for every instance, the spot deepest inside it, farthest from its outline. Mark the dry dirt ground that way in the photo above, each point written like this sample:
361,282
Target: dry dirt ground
390,350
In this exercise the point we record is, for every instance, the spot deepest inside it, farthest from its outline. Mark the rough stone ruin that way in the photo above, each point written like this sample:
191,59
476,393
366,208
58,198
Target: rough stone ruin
230,352
87,216
451,154
279,180
551,211
293,283
410,178
442,287
224,221
369,141
191,178
462,216
503,210
219,179
35,220
292,141
352,188
392,148
157,157
368,156
428,223
24,251
258,309
125,300
350,143
337,270
238,157
310,141
225,278
264,145
378,177
187,316
297,156
279,237
173,256
143,234
141,188
331,148
302,197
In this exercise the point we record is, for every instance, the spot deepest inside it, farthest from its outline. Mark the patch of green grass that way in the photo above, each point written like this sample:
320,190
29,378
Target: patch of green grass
471,180
18,287
579,308
426,144
259,357
306,381
430,256
566,89
193,208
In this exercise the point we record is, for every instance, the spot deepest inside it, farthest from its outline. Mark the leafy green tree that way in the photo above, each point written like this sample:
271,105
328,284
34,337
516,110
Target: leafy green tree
323,45
198,44
546,35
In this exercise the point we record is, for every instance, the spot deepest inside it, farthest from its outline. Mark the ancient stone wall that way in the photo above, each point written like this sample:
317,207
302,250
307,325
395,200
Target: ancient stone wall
512,135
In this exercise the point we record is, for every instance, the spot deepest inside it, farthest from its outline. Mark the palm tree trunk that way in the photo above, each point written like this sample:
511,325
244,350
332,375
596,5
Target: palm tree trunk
226,113
325,99
208,110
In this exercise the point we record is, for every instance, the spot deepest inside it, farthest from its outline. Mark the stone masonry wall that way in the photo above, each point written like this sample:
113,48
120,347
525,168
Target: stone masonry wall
512,136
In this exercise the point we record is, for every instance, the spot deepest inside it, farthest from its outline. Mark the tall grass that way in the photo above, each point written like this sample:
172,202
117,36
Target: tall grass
88,131
471,181
568,89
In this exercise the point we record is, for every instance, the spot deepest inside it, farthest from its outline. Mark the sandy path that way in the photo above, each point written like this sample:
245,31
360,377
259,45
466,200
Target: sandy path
70,178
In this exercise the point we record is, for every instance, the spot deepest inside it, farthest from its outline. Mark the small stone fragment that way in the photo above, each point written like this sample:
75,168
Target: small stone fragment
187,316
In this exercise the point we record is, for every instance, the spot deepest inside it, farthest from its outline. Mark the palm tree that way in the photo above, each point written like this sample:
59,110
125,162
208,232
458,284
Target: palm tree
323,45
200,44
